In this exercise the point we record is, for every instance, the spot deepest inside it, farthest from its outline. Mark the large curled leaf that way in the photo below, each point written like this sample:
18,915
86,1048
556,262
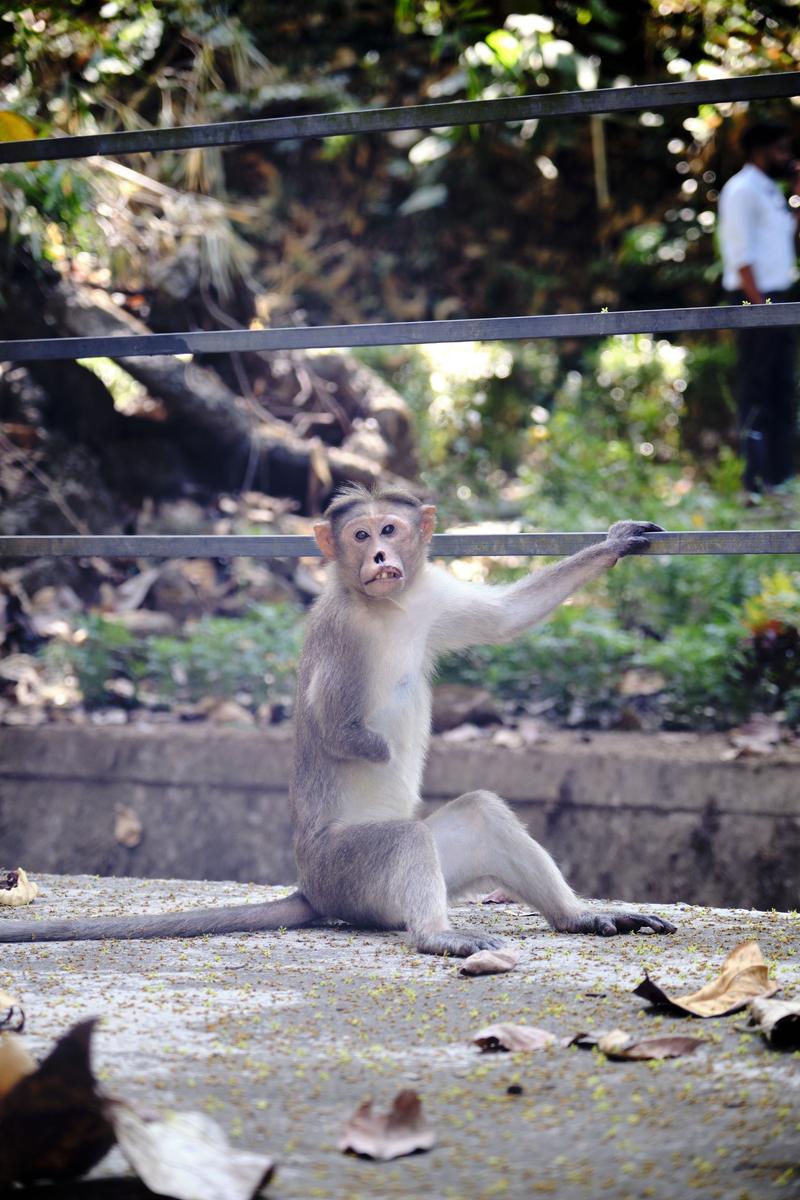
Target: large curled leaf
744,977
52,1121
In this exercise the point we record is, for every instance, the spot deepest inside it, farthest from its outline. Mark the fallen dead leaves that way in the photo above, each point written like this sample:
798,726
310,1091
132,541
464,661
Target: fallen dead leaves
55,1123
16,889
12,1018
402,1130
744,977
515,1038
778,1020
620,1046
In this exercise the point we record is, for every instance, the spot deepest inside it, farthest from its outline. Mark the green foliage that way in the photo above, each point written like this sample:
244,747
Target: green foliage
252,657
579,446
574,659
106,652
702,668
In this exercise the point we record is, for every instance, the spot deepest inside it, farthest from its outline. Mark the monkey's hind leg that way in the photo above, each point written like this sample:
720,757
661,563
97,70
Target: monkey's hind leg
387,875
478,835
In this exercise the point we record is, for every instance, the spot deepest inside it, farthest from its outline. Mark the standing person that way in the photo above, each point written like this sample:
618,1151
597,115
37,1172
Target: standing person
757,239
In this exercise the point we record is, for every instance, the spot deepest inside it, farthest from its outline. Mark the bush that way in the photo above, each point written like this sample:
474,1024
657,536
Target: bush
252,657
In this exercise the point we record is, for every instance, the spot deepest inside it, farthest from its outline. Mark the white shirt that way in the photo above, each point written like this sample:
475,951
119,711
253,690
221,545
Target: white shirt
756,229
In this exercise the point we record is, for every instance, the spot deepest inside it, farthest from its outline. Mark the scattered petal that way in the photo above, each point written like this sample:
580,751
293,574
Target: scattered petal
52,1121
778,1020
744,977
489,962
187,1156
16,889
403,1130
514,1038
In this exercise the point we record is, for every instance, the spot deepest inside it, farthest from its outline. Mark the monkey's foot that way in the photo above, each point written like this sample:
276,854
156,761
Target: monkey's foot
609,924
459,945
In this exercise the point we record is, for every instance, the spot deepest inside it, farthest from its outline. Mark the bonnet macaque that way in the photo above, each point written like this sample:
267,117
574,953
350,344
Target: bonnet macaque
362,729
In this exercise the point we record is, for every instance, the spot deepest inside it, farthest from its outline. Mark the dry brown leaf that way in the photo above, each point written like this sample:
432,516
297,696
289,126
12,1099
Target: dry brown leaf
639,682
12,1017
778,1020
127,826
52,1120
498,896
621,1046
16,889
489,962
187,1156
403,1130
744,977
15,1061
513,1037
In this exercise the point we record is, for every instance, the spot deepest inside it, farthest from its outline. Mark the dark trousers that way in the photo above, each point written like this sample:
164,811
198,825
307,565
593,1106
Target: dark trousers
766,402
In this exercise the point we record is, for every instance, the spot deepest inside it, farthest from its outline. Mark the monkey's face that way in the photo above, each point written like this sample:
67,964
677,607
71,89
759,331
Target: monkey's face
379,552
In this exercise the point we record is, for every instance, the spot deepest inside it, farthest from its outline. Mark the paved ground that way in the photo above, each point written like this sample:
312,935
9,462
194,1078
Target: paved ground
280,1036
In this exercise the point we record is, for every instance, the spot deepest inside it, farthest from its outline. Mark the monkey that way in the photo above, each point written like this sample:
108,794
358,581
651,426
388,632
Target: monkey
362,727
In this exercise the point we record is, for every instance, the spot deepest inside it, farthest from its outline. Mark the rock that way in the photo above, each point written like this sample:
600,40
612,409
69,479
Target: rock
143,623
458,704
186,589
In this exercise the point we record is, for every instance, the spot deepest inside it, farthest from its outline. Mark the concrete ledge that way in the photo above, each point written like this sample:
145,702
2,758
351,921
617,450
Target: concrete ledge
659,818
280,1036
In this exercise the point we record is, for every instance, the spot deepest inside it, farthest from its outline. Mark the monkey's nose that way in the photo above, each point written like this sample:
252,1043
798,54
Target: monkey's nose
380,557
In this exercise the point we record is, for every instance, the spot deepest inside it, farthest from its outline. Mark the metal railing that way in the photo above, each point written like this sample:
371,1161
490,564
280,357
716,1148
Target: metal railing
370,121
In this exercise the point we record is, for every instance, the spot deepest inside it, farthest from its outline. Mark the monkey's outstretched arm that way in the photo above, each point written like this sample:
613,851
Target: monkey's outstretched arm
288,913
474,614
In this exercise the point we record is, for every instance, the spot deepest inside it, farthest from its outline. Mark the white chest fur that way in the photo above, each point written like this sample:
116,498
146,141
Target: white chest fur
398,706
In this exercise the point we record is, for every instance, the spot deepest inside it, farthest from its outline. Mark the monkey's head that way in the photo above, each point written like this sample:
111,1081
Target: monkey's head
377,539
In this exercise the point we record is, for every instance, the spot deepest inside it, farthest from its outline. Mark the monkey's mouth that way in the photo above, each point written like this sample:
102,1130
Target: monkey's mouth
384,573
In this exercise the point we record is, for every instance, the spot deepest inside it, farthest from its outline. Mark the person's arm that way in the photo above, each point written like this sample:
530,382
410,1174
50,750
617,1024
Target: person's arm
747,282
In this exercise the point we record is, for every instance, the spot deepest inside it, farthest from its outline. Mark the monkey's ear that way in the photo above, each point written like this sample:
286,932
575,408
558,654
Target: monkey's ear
324,538
427,521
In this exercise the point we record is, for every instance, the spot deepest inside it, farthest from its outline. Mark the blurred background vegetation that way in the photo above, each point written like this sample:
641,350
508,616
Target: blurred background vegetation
564,215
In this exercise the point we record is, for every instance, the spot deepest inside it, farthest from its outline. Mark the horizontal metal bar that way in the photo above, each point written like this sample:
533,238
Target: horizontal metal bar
445,545
405,333
417,116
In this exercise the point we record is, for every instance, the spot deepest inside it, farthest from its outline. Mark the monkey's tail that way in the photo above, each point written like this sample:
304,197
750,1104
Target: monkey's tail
288,913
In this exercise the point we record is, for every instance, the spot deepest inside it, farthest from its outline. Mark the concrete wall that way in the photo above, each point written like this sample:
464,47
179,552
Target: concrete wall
626,815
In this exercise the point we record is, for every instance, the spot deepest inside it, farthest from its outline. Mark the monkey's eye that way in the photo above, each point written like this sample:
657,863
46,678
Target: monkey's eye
387,531
361,535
